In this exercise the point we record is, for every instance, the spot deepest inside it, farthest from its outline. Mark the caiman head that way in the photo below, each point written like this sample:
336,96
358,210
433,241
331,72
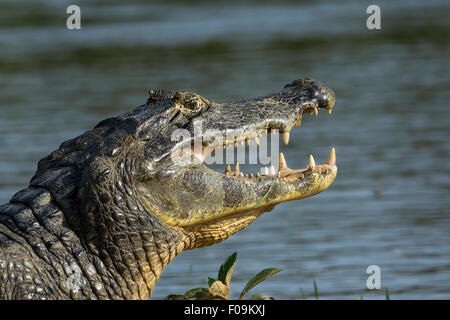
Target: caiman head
208,205
144,193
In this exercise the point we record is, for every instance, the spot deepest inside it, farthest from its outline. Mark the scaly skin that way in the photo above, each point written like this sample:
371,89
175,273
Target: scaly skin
108,210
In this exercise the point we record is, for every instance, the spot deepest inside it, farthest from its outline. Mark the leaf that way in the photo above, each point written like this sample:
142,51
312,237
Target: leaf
260,201
175,297
387,294
226,269
316,292
259,296
197,293
210,281
263,275
303,294
220,290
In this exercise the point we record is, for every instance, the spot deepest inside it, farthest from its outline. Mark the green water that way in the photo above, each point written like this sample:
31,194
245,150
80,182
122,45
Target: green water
389,204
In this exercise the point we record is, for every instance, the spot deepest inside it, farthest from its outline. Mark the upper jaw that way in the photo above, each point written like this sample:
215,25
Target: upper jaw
241,121
202,146
245,134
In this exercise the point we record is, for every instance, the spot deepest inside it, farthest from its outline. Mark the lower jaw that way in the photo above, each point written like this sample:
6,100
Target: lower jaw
218,229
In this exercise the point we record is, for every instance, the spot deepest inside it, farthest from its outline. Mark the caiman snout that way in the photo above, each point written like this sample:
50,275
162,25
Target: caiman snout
326,98
323,96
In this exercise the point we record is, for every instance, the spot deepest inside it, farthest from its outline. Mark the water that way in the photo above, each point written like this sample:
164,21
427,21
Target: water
389,204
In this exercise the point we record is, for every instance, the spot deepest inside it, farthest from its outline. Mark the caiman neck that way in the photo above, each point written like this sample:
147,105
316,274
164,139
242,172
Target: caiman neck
133,244
119,249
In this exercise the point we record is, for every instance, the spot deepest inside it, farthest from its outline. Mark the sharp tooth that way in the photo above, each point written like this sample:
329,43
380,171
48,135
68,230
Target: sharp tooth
311,163
247,141
252,175
285,137
246,175
265,172
258,174
332,158
227,168
241,174
282,162
299,121
329,111
236,167
316,111
272,171
257,141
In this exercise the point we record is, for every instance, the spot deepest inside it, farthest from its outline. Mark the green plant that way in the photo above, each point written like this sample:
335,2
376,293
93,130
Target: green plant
316,292
219,289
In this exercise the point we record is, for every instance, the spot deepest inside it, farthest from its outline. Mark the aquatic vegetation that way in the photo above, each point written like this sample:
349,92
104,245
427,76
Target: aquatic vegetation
219,289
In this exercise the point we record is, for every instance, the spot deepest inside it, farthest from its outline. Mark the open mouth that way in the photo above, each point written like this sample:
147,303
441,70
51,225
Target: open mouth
270,127
232,196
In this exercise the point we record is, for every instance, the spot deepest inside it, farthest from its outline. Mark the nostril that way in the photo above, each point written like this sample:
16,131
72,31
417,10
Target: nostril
322,100
325,98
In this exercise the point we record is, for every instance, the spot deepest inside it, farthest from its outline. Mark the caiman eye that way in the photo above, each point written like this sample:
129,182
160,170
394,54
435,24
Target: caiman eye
194,104
189,103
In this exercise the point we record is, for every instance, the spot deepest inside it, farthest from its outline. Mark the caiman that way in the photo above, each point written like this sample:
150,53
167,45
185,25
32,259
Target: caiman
108,210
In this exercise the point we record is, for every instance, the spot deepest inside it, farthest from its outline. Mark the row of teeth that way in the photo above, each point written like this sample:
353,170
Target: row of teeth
202,156
313,109
246,140
282,168
285,135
